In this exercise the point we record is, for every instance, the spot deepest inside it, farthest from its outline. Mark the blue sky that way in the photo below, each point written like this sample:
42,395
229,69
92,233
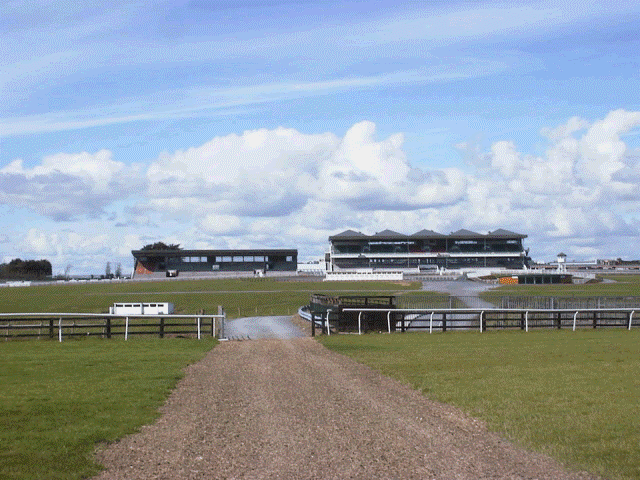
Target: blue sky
278,123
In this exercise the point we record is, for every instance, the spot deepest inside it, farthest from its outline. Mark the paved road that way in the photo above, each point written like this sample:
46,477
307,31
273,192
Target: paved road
279,327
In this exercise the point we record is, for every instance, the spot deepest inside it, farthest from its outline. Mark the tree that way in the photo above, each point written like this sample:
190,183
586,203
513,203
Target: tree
107,270
26,269
118,270
161,246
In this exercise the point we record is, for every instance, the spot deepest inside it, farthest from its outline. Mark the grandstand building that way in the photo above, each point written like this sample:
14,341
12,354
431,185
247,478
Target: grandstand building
172,262
426,250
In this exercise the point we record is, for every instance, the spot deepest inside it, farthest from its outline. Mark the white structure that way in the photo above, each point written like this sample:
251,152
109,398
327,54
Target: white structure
358,275
161,308
562,263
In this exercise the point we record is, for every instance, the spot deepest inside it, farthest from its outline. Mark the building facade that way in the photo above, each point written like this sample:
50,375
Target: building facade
173,260
426,250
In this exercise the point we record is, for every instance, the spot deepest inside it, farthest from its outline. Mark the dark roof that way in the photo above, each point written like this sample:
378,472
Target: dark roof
465,233
223,252
389,234
348,235
424,233
502,233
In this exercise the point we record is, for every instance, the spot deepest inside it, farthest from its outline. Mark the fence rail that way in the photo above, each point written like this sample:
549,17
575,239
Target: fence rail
62,325
444,319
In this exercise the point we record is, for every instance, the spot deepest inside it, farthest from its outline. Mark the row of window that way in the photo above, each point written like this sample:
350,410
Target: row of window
231,259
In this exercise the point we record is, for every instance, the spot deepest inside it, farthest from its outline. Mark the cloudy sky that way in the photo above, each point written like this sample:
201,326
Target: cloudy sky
276,123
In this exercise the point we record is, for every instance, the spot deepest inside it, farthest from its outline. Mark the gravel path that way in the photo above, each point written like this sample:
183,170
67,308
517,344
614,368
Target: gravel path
291,409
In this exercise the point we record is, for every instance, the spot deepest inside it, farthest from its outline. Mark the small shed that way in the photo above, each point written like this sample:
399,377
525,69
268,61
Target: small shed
156,308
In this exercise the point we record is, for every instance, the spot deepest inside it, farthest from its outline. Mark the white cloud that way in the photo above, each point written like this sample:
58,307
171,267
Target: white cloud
66,186
281,187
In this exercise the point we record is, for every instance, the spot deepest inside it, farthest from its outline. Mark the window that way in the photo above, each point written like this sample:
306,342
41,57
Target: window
289,258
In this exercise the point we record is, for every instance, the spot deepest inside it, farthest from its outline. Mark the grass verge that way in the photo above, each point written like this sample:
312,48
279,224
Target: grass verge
59,400
571,395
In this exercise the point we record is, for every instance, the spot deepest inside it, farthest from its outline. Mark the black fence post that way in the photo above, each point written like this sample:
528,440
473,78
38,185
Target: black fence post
522,321
313,324
108,327
51,334
595,319
559,321
444,322
161,327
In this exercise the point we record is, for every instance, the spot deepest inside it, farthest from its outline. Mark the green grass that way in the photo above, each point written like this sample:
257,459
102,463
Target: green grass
572,395
59,400
239,297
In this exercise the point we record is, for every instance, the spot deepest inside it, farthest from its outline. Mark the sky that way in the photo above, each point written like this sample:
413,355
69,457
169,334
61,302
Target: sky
277,123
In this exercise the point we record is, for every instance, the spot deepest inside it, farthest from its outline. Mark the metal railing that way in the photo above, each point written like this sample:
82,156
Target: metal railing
483,319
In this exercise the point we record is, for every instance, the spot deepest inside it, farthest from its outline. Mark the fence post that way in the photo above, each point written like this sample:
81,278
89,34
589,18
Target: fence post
522,321
631,318
360,323
50,328
60,329
313,324
444,322
431,323
595,317
389,320
108,327
526,321
126,328
482,321
222,321
575,316
161,329
328,326
559,320
198,322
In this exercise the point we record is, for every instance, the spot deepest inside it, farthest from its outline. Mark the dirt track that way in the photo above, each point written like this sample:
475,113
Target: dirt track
291,409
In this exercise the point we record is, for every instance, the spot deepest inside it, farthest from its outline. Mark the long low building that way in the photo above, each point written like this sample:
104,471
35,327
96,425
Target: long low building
172,261
426,250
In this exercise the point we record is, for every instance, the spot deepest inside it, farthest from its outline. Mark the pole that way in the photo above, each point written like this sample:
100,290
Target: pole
60,329
389,320
360,323
126,328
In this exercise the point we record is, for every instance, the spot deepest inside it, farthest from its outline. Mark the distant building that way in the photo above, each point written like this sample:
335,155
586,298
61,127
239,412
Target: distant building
172,262
426,250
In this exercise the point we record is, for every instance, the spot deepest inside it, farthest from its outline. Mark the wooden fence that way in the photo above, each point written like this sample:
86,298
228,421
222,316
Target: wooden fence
64,325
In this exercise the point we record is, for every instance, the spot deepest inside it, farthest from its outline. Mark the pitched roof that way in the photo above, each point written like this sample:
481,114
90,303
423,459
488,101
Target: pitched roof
347,235
389,233
424,233
466,233
502,233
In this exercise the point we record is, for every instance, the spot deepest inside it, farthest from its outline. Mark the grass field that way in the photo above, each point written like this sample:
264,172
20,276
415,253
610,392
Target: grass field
59,400
239,297
572,395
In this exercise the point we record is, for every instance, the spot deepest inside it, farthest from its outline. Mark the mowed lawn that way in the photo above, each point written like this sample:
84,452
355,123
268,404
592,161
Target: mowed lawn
572,395
59,400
